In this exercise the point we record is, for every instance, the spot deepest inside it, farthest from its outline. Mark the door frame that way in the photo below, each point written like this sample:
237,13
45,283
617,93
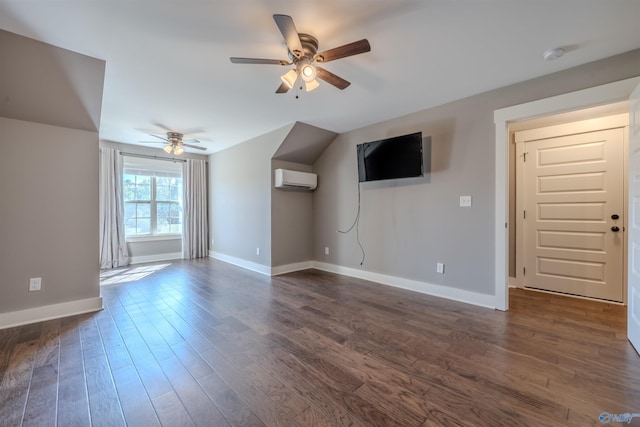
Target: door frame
591,97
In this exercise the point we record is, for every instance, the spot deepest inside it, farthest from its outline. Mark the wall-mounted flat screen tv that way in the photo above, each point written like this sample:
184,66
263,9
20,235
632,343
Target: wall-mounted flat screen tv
391,158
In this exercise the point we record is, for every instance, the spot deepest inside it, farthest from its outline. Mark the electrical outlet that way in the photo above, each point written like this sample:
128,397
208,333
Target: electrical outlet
35,284
440,268
465,201
326,250
257,251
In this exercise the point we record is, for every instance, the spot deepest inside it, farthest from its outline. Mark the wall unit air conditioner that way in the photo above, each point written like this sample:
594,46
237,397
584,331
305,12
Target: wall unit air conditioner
295,180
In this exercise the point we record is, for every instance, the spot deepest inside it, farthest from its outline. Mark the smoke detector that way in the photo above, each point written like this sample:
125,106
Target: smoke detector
552,54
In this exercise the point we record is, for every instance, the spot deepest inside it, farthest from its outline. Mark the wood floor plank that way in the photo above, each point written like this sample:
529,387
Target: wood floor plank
43,395
154,340
171,411
403,406
260,404
191,360
8,338
116,309
41,404
332,374
231,406
153,379
115,348
311,393
73,400
14,388
365,368
286,397
200,408
312,417
334,404
136,405
190,334
104,405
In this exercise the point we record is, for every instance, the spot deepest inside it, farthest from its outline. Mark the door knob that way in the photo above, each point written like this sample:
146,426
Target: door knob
615,228
614,216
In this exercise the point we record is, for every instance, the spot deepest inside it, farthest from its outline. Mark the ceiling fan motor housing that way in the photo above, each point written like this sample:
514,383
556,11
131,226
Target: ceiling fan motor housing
174,137
309,48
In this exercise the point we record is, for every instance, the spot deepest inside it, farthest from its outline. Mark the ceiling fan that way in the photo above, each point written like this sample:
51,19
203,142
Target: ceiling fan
304,55
174,142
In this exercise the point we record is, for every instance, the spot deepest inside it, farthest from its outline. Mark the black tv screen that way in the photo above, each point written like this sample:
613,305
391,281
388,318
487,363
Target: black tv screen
392,158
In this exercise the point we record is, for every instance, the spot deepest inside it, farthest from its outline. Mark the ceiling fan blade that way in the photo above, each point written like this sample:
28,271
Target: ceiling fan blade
191,140
259,61
152,142
160,137
355,48
161,126
332,79
284,88
197,147
288,29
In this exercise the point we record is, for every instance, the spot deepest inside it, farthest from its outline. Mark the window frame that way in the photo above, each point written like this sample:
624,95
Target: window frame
153,170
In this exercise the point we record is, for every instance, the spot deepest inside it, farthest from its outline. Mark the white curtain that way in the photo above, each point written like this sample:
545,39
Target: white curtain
195,229
113,247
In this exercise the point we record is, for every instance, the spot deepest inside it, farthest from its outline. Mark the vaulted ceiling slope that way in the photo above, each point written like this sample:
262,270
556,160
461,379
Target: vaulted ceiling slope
168,62
304,144
46,84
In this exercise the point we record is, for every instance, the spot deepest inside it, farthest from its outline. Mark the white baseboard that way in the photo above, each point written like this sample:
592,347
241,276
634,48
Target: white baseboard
455,294
48,312
461,295
155,258
290,268
259,268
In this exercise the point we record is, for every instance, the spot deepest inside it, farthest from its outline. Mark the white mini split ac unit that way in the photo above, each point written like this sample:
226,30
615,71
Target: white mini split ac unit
295,180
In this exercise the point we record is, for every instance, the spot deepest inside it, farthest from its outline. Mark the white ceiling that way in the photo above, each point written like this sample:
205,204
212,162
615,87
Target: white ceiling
168,61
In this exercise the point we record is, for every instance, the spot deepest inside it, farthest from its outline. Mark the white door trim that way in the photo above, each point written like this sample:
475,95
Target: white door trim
633,324
586,98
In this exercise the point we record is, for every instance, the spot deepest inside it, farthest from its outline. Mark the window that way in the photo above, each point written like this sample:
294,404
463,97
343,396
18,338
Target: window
152,198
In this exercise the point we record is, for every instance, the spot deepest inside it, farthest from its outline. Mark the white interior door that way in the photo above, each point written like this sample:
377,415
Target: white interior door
574,211
633,281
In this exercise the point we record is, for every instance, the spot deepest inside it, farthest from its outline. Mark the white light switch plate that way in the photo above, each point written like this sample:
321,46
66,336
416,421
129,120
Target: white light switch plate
465,201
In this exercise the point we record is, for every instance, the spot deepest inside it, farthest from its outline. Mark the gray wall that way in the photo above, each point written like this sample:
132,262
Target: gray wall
50,103
240,198
408,226
49,220
291,221
151,248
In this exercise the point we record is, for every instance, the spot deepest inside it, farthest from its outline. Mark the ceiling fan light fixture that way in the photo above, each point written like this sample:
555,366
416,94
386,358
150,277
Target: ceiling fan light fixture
311,85
309,73
178,150
289,78
167,149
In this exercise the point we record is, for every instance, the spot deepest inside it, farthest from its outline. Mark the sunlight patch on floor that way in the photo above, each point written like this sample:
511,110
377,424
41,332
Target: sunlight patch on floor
124,275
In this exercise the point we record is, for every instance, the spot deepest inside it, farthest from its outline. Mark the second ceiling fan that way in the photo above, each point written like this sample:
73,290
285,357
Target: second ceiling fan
304,55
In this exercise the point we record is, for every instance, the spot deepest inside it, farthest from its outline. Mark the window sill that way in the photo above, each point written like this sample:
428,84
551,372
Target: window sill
155,238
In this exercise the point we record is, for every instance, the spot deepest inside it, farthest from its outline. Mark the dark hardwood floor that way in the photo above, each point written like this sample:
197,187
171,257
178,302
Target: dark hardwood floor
205,343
